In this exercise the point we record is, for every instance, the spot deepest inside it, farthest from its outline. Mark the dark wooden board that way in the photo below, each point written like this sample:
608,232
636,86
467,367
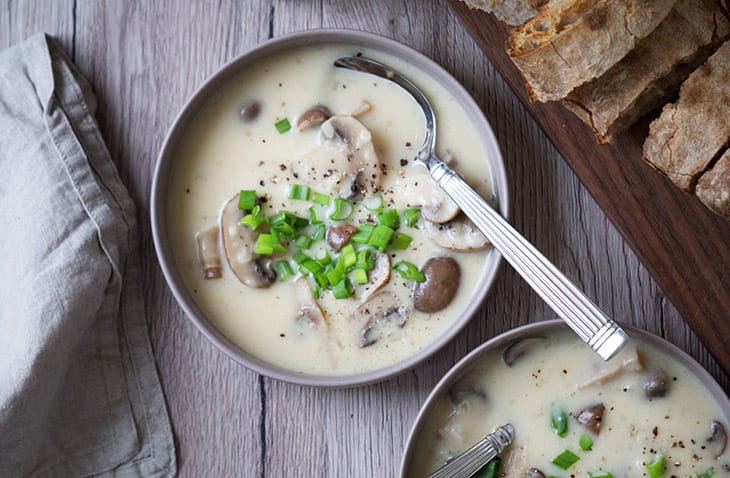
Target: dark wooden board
684,246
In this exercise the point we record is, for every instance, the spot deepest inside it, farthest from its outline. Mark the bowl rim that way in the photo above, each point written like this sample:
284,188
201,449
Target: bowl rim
462,366
229,70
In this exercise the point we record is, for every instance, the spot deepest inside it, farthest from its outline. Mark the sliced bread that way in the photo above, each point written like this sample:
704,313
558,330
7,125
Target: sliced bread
570,42
690,133
512,12
651,73
713,187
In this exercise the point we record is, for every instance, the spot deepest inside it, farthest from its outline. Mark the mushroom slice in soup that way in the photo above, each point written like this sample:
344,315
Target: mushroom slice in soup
591,417
717,439
339,234
238,242
628,361
344,163
418,189
459,234
379,276
378,312
656,384
309,310
209,253
443,275
314,116
519,347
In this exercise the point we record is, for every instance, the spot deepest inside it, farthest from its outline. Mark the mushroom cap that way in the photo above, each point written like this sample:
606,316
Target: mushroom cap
309,309
443,275
419,189
377,312
459,234
313,116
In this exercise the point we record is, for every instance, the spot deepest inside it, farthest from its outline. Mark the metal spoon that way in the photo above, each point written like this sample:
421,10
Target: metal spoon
603,335
479,454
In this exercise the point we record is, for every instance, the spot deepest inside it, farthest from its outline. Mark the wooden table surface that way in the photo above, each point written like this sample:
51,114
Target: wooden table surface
144,58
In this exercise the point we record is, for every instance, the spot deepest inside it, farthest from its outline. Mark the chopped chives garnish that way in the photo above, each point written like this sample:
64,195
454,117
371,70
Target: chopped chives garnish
337,272
363,233
283,270
321,199
655,468
325,259
585,442
365,259
299,192
408,270
300,257
389,218
380,237
559,422
401,241
319,233
600,474
348,255
246,199
254,219
361,275
321,281
311,266
342,211
489,470
411,216
374,203
566,459
275,242
709,473
313,219
283,125
264,244
303,242
343,289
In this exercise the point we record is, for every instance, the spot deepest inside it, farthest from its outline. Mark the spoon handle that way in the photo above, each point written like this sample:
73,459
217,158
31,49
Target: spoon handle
469,462
603,335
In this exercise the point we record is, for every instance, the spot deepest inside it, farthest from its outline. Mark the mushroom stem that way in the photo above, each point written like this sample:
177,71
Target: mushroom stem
209,253
630,362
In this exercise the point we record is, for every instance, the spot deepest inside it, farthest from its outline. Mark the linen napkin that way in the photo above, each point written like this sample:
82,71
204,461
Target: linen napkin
79,391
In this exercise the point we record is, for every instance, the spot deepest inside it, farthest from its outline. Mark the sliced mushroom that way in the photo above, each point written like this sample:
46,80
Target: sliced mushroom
717,439
314,116
534,473
438,290
422,191
361,109
338,235
630,361
656,384
379,276
208,253
344,163
309,310
591,417
250,111
238,242
459,234
520,347
380,310
465,390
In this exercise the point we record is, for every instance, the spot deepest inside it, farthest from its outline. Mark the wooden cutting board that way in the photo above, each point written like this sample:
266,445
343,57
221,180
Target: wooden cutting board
684,246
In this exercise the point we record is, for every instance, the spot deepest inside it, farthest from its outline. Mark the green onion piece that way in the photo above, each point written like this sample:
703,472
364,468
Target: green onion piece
401,241
283,270
380,237
566,459
559,422
321,281
585,442
283,125
321,199
300,222
343,210
374,203
600,474
408,270
337,272
348,255
264,244
365,259
361,275
303,242
311,266
411,216
254,219
389,218
317,290
655,468
276,243
325,259
299,192
343,289
709,473
489,470
363,233
320,231
300,257
246,199
313,219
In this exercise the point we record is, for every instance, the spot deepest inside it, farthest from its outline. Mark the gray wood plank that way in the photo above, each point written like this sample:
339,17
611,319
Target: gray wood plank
19,19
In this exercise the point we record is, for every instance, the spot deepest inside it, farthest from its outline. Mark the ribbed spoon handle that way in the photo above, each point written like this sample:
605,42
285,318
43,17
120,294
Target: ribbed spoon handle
469,462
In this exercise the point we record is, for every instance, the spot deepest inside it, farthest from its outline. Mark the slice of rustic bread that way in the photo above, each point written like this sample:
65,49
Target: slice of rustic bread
713,187
512,12
570,42
651,73
690,133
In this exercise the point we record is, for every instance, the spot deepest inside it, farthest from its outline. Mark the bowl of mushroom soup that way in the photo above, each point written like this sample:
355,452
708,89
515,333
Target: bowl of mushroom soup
651,411
294,228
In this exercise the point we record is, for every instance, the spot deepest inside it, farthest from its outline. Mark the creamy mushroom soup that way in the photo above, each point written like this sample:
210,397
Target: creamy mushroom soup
641,414
301,225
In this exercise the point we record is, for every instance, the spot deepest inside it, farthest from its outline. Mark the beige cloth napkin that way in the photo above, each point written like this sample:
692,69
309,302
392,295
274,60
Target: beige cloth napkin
79,391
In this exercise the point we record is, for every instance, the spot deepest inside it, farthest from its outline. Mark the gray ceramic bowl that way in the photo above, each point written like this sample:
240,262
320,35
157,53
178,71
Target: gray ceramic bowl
166,163
441,392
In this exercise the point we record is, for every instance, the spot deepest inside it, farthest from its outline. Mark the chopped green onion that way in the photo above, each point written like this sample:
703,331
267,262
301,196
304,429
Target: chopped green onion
411,216
313,219
254,219
585,442
365,259
655,468
374,203
325,259
320,231
300,257
321,199
276,243
559,423
299,192
264,244
489,470
363,233
342,211
337,272
361,275
283,125
401,241
380,237
303,242
311,266
709,473
408,270
348,255
286,223
283,270
566,459
600,474
343,289
389,218
246,199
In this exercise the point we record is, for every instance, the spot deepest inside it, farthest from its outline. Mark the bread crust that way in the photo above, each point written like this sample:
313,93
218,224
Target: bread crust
689,134
570,42
713,187
651,73
512,12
